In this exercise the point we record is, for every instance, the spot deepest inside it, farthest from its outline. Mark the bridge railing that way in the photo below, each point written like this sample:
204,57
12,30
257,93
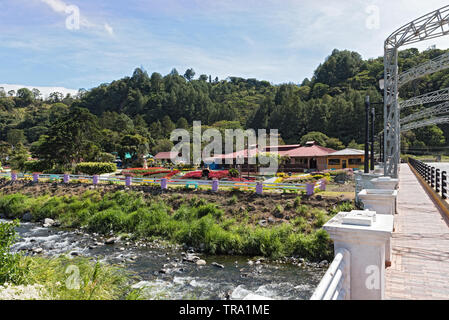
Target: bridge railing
335,284
434,177
309,189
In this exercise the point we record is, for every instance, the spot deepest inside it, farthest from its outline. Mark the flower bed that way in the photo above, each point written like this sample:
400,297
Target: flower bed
193,175
148,172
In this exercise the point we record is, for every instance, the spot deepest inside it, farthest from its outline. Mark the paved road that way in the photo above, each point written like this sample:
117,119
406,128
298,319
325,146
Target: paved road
420,264
443,166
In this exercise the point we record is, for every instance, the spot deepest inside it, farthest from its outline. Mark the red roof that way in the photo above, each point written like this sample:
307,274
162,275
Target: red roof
165,155
312,151
293,151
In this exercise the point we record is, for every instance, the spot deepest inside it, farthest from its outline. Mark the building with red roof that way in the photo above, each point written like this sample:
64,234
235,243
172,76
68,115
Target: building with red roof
165,156
310,156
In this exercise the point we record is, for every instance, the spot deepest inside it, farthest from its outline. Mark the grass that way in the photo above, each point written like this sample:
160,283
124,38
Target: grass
58,278
78,278
195,222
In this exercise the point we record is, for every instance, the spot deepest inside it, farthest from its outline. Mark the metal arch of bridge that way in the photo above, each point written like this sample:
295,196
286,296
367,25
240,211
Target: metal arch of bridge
439,63
431,97
424,123
432,111
429,26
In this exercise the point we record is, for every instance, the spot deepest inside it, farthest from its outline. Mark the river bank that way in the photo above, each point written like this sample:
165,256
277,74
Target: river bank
287,225
159,270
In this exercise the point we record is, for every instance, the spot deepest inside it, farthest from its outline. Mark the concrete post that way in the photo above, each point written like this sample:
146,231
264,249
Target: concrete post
259,188
66,178
215,185
385,183
36,177
363,181
164,184
95,179
364,234
381,202
13,176
128,181
310,189
323,185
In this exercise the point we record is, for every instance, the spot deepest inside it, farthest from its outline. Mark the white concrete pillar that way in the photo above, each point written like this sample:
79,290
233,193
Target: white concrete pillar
364,234
381,202
386,183
363,181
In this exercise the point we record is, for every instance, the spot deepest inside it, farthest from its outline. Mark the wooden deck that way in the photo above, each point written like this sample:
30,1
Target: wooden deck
420,262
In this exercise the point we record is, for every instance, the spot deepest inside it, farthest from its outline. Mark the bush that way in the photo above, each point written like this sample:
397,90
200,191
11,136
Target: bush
36,166
10,270
94,168
234,173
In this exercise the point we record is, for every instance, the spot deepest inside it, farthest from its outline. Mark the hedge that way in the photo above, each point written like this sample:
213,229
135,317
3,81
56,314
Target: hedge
93,168
35,166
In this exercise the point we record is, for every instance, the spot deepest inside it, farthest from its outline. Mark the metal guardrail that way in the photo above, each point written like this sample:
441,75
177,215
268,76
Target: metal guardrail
336,283
434,177
184,182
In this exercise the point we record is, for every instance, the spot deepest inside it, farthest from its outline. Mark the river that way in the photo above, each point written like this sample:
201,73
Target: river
164,275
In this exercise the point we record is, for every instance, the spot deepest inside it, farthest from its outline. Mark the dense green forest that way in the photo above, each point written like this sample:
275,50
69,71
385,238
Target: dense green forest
136,114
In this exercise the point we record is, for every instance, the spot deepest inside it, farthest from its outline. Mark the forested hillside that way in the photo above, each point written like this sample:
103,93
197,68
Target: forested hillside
142,110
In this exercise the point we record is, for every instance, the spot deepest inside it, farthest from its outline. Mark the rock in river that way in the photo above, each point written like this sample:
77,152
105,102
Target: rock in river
27,217
218,265
110,241
200,262
48,222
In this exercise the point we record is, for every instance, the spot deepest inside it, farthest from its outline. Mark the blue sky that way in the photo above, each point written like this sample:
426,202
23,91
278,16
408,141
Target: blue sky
279,41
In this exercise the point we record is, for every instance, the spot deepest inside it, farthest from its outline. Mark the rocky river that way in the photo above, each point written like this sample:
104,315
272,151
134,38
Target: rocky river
172,272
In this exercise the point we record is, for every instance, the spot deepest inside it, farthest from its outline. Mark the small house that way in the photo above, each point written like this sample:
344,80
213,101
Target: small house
347,158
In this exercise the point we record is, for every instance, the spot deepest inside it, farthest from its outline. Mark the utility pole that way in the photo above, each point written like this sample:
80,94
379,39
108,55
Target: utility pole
367,112
373,124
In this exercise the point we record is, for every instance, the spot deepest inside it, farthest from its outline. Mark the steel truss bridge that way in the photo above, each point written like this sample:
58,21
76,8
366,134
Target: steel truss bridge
429,26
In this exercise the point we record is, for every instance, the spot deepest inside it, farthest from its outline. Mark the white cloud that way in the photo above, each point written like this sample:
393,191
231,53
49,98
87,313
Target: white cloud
108,29
45,91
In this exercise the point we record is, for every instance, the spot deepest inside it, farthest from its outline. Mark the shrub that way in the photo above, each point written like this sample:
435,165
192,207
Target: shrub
94,168
15,205
234,173
10,270
36,166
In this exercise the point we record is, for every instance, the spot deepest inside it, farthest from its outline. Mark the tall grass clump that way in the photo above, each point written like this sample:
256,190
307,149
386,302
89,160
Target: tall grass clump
10,270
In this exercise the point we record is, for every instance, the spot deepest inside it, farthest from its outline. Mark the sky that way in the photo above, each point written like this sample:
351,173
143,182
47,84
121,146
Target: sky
82,43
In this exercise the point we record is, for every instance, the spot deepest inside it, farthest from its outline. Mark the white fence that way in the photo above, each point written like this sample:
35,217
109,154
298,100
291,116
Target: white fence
308,188
336,283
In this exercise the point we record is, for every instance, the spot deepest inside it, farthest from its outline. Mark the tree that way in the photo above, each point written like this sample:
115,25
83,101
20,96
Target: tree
431,136
24,97
5,151
335,144
189,74
162,145
136,146
182,123
36,93
354,145
319,137
18,158
72,139
167,126
55,97
15,137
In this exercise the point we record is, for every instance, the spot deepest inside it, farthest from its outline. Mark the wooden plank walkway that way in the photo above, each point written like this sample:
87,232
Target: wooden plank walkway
420,261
